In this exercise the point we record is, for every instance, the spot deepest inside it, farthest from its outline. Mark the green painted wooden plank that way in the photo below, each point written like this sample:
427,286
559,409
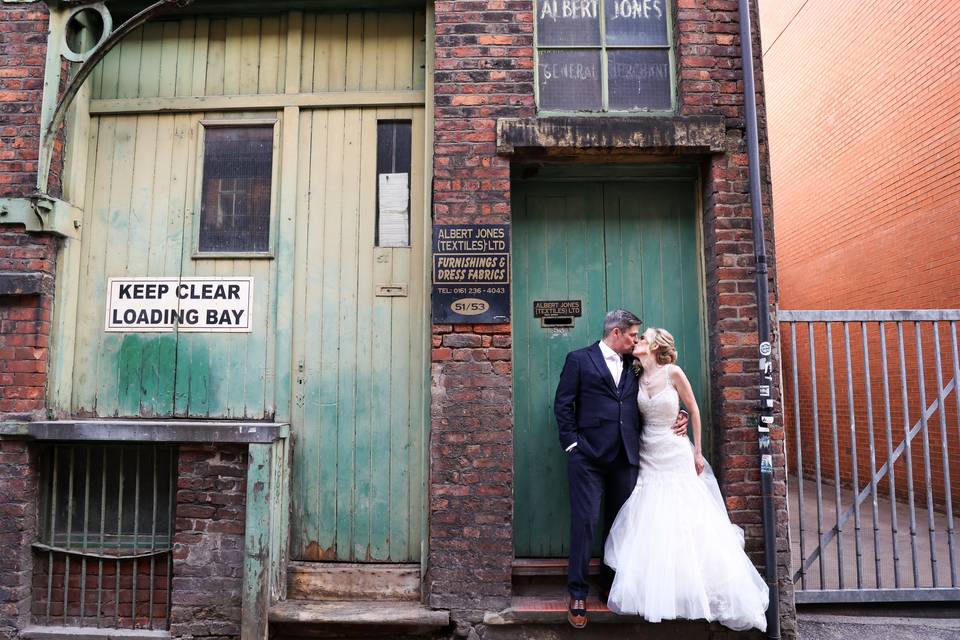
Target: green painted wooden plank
201,39
216,58
130,62
170,64
367,351
347,546
110,73
354,50
371,63
271,45
250,55
232,56
418,71
188,48
255,597
307,48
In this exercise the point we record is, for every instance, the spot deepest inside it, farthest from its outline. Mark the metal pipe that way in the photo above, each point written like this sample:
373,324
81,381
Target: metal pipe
796,428
874,505
892,482
948,497
853,454
927,475
765,417
836,456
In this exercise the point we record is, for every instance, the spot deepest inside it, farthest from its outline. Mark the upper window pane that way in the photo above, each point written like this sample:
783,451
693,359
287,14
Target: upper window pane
235,205
568,22
636,23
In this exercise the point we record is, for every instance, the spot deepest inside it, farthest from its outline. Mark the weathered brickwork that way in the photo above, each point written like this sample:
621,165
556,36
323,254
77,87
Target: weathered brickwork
208,541
23,50
18,527
484,71
25,322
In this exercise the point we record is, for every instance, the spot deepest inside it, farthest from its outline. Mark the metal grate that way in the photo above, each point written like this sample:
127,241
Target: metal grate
871,412
104,552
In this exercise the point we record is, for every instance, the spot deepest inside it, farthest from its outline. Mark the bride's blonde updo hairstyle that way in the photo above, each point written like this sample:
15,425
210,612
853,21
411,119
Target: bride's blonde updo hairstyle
666,346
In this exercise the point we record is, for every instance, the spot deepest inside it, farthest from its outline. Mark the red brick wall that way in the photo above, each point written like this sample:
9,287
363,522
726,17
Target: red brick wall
25,324
23,50
863,101
18,529
484,71
208,542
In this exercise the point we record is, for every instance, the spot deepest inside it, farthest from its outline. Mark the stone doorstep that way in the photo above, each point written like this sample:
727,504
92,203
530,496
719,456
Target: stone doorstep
88,633
346,581
358,613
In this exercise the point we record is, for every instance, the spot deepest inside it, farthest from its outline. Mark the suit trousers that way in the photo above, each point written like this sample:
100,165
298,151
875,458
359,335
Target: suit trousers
593,482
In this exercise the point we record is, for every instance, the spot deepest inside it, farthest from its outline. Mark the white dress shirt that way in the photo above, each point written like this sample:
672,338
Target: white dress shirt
615,364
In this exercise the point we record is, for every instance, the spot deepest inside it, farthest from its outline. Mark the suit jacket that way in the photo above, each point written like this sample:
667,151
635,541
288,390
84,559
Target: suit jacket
594,412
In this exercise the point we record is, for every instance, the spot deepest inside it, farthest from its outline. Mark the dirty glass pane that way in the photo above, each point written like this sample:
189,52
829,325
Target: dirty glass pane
636,23
566,23
235,205
570,80
393,183
639,79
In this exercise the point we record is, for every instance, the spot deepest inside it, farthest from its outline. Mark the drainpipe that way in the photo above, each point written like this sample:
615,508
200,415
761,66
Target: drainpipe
765,416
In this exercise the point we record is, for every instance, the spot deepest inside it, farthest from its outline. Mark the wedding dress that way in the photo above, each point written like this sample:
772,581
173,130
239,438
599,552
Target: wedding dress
675,552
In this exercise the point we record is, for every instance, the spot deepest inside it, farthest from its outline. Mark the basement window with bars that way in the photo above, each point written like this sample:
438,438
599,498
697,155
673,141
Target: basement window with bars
104,555
605,56
236,196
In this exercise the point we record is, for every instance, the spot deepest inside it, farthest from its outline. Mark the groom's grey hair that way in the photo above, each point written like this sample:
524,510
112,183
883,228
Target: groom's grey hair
619,319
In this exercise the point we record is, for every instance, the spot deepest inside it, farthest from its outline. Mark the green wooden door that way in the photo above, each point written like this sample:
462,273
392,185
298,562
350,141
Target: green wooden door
631,244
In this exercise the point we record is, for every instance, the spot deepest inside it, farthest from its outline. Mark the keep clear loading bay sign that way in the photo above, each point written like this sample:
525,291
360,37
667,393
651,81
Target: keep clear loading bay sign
471,273
212,305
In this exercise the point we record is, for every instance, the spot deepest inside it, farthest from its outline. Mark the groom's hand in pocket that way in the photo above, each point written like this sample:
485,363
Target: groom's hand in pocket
680,426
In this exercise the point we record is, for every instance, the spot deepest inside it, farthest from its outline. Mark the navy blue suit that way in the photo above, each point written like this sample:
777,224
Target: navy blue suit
603,419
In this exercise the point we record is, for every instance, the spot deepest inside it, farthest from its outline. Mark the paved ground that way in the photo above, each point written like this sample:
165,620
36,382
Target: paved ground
830,627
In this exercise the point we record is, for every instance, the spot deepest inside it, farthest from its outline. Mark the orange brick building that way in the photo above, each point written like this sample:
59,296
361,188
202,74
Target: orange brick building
863,107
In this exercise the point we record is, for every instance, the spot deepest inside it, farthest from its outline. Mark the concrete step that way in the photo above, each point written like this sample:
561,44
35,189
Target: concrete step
355,619
353,581
843,627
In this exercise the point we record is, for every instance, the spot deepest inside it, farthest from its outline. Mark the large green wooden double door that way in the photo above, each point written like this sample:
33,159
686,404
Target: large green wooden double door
627,243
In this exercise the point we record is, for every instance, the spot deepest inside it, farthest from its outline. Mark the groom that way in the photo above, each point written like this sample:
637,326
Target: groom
599,423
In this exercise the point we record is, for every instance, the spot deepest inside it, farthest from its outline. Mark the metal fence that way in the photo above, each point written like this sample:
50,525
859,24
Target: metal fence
870,448
104,557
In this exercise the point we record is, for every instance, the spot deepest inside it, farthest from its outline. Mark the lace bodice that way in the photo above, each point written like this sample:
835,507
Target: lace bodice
660,410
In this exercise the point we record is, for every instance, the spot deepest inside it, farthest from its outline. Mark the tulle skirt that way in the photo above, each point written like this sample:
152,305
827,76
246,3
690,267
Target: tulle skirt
677,555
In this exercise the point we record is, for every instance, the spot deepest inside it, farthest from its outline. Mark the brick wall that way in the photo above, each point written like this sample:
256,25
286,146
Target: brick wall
25,323
18,526
208,542
23,50
484,72
865,152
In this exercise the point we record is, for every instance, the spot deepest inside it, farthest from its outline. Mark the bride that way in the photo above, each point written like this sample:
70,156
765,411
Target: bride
675,552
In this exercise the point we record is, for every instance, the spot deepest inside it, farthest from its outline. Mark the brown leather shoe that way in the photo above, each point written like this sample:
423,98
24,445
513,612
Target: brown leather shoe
577,613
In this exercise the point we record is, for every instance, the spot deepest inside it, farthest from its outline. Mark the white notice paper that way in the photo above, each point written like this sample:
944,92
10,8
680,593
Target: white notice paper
394,219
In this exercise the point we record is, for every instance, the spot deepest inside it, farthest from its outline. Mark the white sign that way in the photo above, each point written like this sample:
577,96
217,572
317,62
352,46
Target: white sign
179,304
394,192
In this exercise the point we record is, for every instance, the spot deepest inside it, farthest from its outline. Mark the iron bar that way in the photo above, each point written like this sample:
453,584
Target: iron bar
153,537
891,476
171,509
69,536
136,521
925,441
53,528
904,397
86,528
103,530
836,454
875,507
120,478
853,452
816,448
796,427
944,451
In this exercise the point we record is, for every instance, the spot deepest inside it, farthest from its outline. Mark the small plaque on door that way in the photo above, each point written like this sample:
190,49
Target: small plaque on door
557,308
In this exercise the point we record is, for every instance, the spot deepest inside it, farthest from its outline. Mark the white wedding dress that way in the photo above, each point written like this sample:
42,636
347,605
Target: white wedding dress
675,551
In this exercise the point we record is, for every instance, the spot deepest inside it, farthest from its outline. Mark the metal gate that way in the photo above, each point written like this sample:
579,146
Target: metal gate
871,413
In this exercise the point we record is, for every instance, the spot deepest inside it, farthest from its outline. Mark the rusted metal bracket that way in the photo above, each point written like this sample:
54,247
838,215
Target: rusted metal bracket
88,61
41,213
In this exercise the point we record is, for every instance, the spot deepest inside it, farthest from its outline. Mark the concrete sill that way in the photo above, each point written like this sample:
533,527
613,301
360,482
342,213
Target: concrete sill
88,633
358,613
144,431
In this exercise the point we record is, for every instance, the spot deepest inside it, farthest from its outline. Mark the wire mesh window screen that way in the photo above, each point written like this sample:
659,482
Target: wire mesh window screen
104,552
235,203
